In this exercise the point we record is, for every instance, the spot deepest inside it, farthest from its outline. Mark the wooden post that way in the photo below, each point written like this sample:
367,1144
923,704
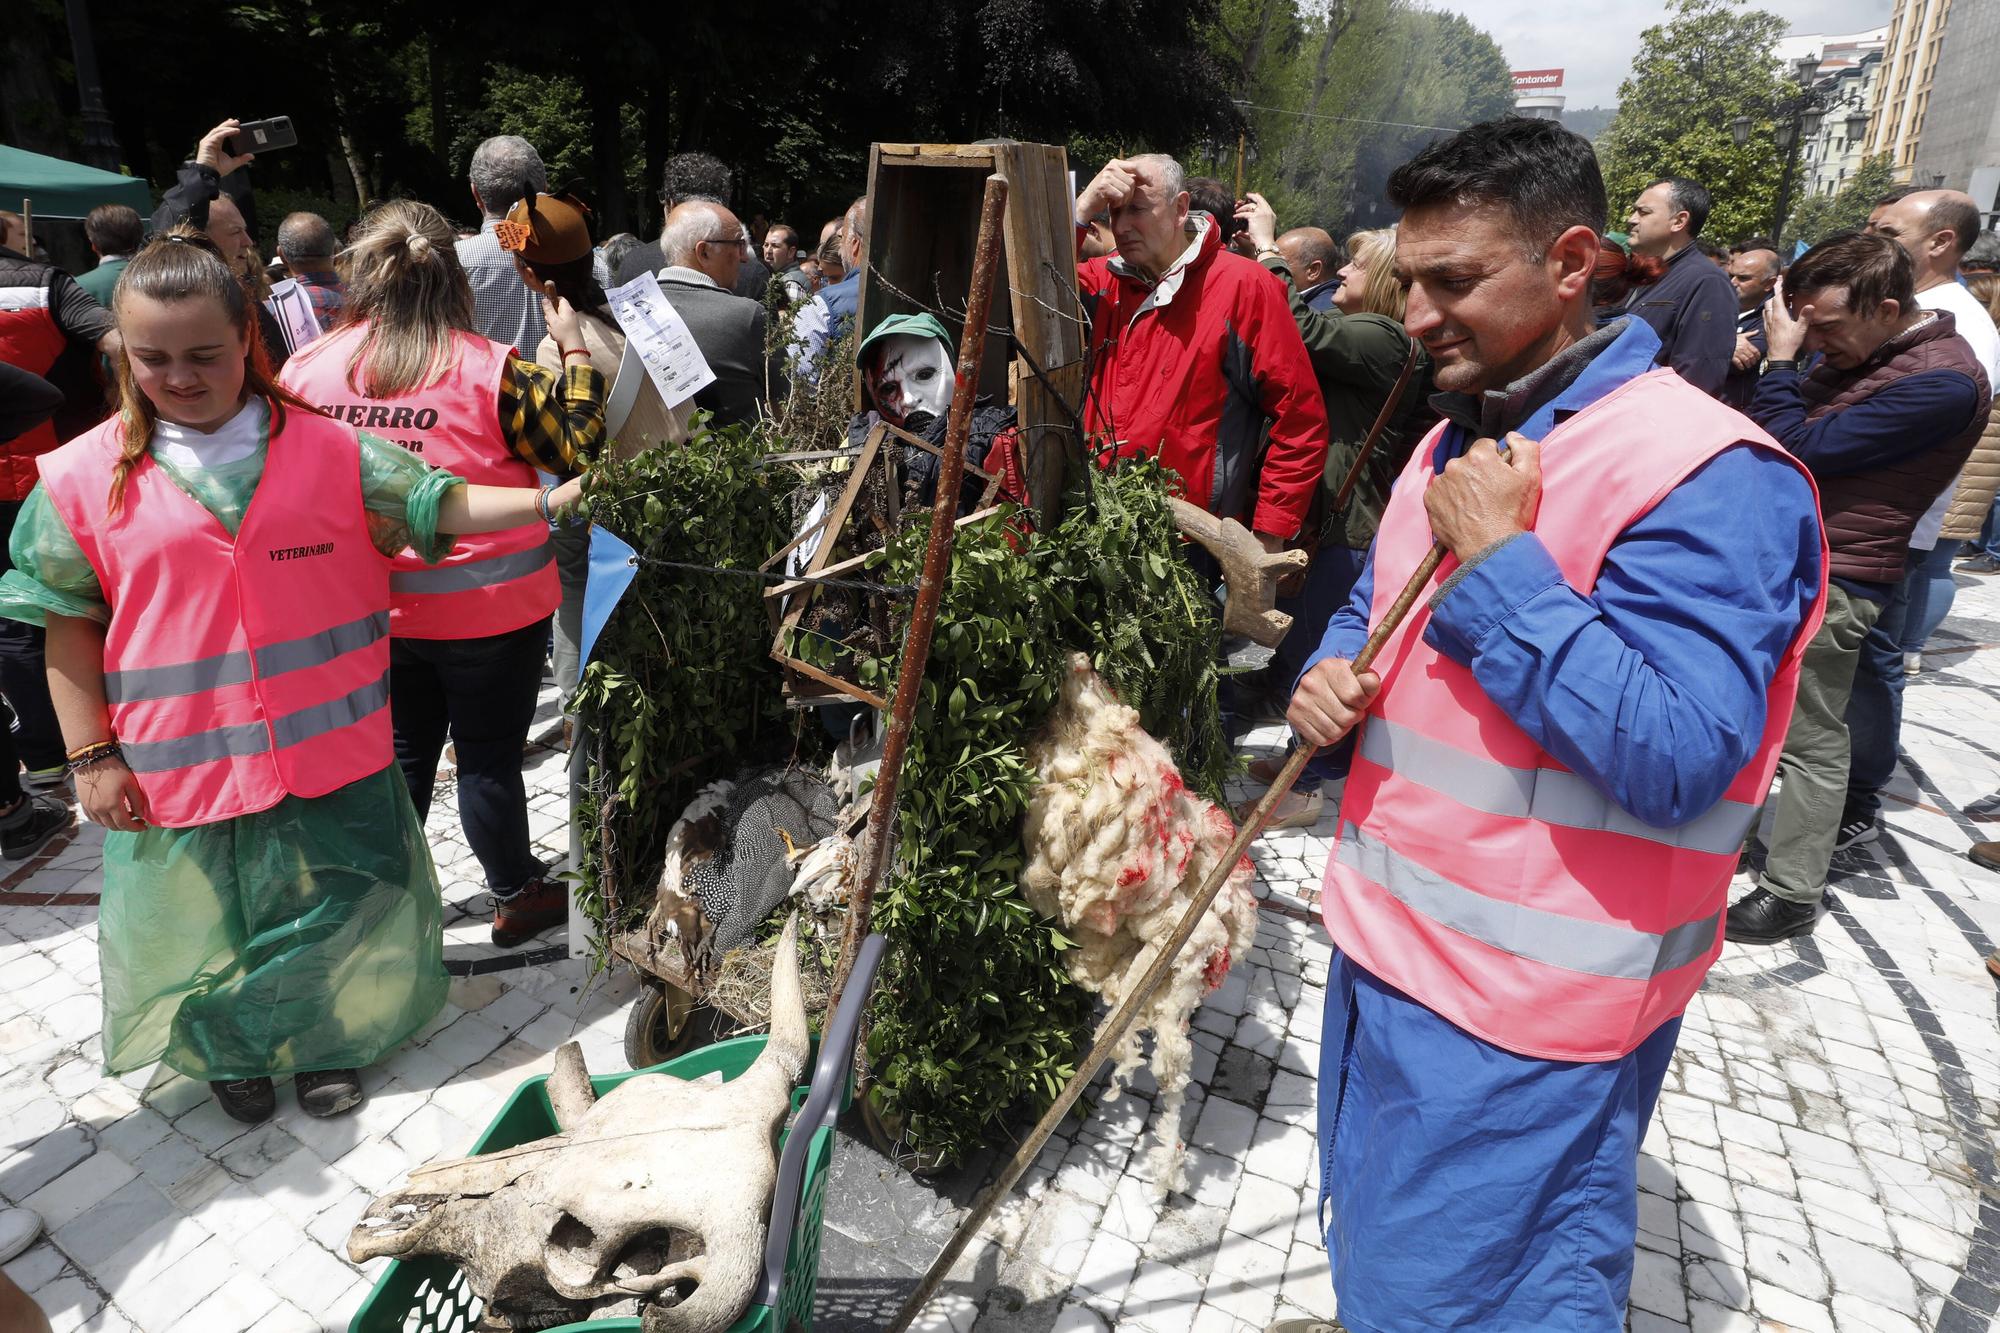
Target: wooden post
27,226
930,586
1239,166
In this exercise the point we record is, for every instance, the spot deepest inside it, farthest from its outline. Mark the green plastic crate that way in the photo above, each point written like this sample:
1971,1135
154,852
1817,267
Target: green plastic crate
430,1295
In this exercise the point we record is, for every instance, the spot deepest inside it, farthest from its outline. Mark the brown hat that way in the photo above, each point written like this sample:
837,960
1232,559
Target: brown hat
547,229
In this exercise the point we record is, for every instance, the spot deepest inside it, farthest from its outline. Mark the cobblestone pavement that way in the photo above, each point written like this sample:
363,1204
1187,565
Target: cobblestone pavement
1823,1157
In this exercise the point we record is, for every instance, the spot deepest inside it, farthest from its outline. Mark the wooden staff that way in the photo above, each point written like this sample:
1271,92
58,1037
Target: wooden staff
1120,1020
930,587
1375,432
1239,166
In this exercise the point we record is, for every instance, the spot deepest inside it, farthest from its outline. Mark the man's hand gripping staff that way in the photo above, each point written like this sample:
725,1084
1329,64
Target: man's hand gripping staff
1482,498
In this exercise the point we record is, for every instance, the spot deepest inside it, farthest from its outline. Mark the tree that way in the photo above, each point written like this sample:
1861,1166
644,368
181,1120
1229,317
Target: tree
1821,215
1346,91
1695,74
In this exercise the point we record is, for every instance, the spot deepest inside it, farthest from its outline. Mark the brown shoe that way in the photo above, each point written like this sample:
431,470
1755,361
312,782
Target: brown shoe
1266,770
1984,854
1993,963
540,904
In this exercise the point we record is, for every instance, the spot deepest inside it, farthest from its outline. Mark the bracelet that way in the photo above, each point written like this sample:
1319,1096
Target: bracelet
1270,250
1783,363
542,504
93,755
569,352
95,747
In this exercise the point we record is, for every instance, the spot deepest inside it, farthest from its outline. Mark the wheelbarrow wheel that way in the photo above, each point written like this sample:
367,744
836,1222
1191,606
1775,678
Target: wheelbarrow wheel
665,1022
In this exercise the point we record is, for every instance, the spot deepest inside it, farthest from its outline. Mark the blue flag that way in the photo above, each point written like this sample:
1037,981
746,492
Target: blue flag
613,566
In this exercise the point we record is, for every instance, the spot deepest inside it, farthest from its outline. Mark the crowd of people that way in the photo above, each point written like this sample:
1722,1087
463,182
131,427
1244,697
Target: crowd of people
1696,518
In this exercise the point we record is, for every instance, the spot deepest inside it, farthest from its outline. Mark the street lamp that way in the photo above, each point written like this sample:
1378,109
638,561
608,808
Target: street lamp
1796,116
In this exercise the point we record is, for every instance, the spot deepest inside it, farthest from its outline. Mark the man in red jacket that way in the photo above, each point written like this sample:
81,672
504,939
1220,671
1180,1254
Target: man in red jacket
1193,354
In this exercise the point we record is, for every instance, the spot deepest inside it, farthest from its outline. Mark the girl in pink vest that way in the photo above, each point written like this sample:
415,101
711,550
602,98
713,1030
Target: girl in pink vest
213,568
471,633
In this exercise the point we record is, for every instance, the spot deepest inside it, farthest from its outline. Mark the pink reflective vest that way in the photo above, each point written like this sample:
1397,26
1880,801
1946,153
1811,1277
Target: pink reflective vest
1473,871
491,582
239,671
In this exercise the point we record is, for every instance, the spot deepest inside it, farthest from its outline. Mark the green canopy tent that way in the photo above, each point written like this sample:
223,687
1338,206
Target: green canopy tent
60,189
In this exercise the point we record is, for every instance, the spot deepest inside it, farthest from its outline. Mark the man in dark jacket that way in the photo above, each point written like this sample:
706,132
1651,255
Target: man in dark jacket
692,178
705,249
1194,353
1753,271
212,194
1692,308
1884,422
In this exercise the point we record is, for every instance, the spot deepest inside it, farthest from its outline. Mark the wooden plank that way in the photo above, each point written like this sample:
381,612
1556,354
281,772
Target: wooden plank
976,156
843,688
1041,251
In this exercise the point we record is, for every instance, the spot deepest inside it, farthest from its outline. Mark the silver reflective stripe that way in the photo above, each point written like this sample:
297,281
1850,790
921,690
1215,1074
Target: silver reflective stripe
473,574
1597,948
179,678
1546,794
307,723
318,649
245,738
201,748
211,673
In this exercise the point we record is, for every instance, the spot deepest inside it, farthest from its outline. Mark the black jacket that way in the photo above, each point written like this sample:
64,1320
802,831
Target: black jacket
197,187
1693,309
1740,386
649,258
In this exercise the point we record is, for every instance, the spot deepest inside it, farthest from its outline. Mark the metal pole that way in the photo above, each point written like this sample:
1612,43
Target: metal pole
930,586
1797,112
100,140
1120,1021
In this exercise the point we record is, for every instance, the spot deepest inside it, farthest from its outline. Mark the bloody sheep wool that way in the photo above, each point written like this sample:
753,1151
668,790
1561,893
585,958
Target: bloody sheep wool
1116,845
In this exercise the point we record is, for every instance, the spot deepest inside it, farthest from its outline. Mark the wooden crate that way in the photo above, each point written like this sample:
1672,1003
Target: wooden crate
923,221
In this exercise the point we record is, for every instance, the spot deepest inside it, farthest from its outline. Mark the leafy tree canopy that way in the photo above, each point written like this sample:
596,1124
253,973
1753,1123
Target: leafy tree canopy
1709,63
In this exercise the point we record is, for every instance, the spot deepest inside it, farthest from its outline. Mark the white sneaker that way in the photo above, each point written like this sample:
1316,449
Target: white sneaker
1913,664
18,1229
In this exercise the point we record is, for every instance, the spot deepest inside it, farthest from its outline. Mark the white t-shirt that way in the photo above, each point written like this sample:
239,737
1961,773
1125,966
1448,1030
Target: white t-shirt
1976,327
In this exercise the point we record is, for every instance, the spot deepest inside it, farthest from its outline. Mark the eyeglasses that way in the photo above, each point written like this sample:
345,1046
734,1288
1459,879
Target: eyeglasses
734,242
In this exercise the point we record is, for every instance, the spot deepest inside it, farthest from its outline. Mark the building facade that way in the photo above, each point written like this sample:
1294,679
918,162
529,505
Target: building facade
1903,89
1538,93
1829,157
1961,136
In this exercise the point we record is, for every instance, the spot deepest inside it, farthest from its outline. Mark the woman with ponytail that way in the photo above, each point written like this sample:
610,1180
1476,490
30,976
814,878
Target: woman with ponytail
470,635
549,237
213,568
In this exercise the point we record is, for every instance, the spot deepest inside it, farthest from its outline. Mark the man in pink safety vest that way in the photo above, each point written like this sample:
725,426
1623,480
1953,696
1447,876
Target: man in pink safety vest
1559,753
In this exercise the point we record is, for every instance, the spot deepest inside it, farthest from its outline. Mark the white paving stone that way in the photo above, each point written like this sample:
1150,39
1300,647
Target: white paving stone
1806,1169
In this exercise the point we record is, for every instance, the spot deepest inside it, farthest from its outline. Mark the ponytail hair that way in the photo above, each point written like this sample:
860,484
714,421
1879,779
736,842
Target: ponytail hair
183,265
406,289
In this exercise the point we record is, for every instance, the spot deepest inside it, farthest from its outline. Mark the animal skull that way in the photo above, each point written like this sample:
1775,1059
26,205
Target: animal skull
1252,573
658,1190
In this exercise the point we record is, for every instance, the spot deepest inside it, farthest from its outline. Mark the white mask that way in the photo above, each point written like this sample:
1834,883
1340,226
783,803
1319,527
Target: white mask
910,374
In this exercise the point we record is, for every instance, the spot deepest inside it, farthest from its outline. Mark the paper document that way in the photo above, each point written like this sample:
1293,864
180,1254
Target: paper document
656,331
294,311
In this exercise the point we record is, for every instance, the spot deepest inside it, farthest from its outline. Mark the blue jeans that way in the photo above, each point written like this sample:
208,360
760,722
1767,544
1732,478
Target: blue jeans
1931,589
483,692
1329,583
1988,540
1875,702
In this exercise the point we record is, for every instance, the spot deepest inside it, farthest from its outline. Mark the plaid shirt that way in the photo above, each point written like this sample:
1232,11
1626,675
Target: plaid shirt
323,288
555,422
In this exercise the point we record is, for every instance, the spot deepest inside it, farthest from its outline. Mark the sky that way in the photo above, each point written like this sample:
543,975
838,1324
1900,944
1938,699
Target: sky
1594,41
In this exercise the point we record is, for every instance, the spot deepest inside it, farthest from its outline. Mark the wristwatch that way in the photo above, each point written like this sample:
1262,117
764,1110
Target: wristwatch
1782,363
